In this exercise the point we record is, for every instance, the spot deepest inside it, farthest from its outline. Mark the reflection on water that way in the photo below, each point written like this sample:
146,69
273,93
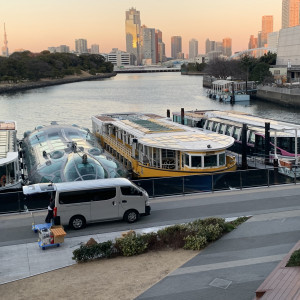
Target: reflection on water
75,103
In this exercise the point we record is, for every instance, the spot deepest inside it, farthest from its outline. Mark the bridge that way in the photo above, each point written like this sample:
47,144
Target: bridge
146,70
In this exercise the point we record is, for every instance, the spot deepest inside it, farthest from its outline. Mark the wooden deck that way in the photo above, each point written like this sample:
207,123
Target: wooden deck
282,283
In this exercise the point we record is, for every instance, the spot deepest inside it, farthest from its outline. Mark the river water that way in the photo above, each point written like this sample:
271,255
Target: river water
75,103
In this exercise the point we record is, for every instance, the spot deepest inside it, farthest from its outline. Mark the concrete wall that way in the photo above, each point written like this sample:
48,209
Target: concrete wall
282,96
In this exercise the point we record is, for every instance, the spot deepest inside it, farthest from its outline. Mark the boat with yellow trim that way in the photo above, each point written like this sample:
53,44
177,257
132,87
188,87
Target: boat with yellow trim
153,146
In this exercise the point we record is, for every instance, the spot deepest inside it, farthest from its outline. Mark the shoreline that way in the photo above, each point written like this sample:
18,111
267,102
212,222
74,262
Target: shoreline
23,86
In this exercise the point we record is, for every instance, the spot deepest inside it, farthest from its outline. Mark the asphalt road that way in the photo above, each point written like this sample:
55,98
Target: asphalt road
16,228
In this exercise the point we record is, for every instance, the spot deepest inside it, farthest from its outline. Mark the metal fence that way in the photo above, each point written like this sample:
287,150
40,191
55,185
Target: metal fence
159,187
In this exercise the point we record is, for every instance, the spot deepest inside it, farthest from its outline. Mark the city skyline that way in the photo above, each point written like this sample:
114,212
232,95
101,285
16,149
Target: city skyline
35,27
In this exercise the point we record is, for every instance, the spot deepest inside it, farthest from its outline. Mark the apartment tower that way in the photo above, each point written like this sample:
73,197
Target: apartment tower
290,13
193,48
176,47
227,46
267,27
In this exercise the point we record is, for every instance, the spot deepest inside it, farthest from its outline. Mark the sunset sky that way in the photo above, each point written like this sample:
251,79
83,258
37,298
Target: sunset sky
36,25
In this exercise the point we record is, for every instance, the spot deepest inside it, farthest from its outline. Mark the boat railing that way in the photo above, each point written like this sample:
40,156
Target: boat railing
122,149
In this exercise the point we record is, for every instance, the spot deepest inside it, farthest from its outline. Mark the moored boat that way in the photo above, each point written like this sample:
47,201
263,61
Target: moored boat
10,175
152,146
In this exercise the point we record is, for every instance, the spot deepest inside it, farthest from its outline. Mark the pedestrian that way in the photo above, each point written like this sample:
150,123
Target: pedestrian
50,210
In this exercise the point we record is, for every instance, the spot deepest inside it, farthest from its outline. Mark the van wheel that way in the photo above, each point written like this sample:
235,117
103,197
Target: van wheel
77,222
131,216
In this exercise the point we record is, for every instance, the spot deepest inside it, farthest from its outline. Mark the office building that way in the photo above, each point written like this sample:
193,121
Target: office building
118,57
267,27
81,46
273,41
290,13
59,49
160,47
176,47
252,42
148,45
133,31
227,47
95,49
210,46
193,49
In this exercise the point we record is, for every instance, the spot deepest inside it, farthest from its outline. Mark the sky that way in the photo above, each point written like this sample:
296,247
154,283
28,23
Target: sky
36,25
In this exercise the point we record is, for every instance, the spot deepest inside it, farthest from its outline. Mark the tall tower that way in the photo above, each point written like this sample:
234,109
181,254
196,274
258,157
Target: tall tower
227,46
290,13
133,32
176,47
5,48
267,27
193,48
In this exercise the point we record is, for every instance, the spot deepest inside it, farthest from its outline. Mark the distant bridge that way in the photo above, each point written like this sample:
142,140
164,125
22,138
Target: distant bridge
145,70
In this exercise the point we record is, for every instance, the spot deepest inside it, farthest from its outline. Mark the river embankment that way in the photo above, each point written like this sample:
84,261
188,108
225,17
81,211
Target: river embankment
284,96
28,85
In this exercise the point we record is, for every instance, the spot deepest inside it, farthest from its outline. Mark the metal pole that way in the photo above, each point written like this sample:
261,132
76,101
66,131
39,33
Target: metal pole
183,185
296,148
153,188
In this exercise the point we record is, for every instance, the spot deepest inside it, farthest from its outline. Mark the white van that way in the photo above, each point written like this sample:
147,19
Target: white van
81,202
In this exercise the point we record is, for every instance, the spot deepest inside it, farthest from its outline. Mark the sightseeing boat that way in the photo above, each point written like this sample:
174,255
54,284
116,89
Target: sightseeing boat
284,136
10,175
231,91
62,153
152,146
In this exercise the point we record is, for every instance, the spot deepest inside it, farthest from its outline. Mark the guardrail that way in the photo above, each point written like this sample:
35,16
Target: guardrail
159,187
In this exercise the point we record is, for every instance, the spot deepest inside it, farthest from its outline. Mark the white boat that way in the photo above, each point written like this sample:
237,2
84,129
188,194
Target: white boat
230,91
10,175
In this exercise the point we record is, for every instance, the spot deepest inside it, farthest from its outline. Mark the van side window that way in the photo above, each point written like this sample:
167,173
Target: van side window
104,194
87,196
130,191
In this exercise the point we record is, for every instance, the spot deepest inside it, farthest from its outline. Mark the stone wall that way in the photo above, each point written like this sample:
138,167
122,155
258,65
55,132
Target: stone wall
283,96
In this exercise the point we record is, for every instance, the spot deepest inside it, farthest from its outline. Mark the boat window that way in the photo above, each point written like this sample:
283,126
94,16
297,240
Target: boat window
222,129
215,126
228,130
210,161
196,161
187,159
235,134
210,125
53,136
252,137
222,159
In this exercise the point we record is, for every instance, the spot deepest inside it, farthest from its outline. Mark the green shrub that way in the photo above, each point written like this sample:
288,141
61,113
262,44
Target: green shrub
131,244
214,221
197,242
294,260
94,251
213,232
151,239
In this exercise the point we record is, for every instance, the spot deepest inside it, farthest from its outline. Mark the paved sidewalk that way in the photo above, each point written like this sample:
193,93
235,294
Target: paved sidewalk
25,260
234,266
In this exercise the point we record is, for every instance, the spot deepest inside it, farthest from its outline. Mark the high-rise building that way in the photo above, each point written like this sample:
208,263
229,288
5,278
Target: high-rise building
133,31
5,48
148,45
273,41
252,42
227,46
81,46
267,27
290,13
95,49
161,53
176,47
193,48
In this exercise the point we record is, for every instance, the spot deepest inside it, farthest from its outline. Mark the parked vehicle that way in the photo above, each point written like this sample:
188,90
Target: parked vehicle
81,202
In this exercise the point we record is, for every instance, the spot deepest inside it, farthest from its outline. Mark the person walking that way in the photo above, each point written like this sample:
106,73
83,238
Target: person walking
50,210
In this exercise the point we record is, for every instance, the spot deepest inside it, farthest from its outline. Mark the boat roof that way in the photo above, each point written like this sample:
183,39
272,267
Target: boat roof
8,147
254,123
159,132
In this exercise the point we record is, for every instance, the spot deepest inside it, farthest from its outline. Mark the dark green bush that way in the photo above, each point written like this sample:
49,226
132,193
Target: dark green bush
90,252
131,244
294,260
